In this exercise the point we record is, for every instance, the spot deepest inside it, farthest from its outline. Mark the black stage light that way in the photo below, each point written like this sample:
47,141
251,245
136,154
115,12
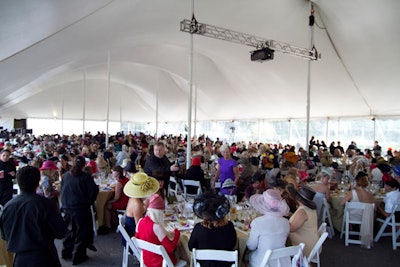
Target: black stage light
262,54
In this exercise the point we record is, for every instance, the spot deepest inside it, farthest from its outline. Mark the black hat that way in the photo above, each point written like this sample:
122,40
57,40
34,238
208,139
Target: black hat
360,174
210,206
306,195
392,183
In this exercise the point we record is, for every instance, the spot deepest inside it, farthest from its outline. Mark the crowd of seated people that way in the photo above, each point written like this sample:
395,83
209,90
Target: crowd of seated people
245,169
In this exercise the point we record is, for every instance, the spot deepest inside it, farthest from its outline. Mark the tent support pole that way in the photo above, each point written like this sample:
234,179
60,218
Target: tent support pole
62,113
195,111
311,24
108,93
189,134
84,104
158,88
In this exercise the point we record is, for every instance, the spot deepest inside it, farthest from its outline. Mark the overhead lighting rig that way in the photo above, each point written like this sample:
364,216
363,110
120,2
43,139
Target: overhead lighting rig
265,47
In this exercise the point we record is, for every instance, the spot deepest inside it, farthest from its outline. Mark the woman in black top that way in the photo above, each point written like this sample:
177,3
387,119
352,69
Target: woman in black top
215,231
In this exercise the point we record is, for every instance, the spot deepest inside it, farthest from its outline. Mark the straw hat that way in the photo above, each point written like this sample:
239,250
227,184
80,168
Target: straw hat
270,202
141,185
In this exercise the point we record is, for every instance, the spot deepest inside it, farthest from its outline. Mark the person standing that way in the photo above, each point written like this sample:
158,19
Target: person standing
78,192
157,162
30,223
227,171
7,174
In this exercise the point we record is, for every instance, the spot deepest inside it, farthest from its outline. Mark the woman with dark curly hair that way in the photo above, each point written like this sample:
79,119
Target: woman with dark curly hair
215,231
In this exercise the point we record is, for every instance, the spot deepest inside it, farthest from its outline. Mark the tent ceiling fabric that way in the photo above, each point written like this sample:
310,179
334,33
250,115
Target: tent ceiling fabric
54,58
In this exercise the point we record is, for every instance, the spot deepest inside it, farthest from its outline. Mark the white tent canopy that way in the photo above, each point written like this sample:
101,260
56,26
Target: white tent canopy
54,60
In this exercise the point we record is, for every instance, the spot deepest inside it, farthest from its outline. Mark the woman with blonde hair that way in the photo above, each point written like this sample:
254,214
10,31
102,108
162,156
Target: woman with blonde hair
227,172
151,229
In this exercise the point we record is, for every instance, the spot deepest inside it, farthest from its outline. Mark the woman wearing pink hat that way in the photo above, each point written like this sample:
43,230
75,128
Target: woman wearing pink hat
48,174
262,238
151,229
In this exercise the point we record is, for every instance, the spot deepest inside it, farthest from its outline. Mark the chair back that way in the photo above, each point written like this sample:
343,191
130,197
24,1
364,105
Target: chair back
156,249
362,214
296,252
326,214
193,183
213,254
173,187
129,244
322,229
314,254
394,225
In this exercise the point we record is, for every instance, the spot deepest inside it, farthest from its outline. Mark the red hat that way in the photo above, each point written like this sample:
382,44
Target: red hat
196,161
48,165
156,202
93,164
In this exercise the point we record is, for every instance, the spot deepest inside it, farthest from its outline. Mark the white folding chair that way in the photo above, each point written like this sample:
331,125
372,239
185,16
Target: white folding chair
350,209
296,252
217,187
213,254
173,187
322,229
193,183
120,212
157,249
94,221
129,244
314,254
326,214
390,221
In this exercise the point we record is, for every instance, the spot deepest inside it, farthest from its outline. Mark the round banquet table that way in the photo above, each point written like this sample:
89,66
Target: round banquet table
6,258
101,200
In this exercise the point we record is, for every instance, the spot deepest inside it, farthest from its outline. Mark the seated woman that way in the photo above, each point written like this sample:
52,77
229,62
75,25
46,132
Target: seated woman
120,200
196,173
322,189
262,238
256,186
151,229
359,193
215,231
138,189
303,223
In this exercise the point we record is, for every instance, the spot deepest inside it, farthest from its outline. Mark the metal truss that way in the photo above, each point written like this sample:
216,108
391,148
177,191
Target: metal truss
194,27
